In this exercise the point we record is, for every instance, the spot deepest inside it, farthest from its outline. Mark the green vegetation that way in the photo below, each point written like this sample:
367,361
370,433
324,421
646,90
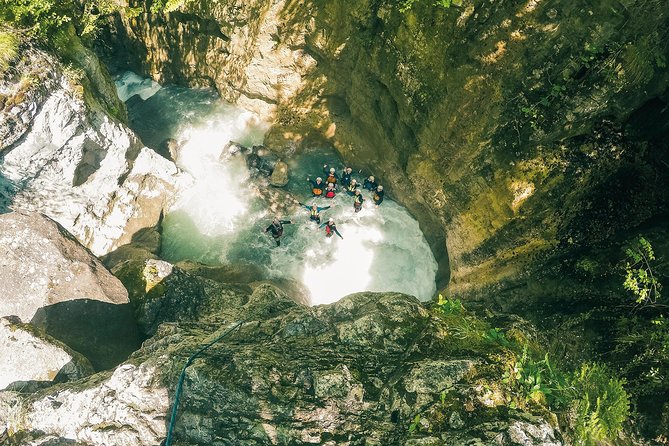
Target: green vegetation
9,46
43,19
639,276
591,403
406,5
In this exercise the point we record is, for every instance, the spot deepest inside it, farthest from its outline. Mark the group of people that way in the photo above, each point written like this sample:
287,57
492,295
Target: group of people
328,189
350,185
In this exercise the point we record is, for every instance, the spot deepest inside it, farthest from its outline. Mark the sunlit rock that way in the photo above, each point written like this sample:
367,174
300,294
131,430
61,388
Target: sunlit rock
279,174
357,371
30,356
49,279
86,170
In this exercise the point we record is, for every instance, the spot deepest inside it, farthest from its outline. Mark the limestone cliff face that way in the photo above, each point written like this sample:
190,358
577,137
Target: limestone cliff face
66,152
495,123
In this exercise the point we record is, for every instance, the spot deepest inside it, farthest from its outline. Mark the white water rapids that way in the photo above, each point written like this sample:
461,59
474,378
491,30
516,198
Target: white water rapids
221,219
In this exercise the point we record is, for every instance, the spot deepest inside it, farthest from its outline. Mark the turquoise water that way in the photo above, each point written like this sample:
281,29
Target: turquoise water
221,219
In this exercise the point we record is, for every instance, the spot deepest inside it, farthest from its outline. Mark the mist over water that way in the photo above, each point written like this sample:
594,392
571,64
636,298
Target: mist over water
222,218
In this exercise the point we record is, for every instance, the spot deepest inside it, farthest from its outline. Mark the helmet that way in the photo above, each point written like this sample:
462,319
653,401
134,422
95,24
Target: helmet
353,180
330,184
349,170
332,170
371,178
380,188
313,206
319,179
357,191
331,220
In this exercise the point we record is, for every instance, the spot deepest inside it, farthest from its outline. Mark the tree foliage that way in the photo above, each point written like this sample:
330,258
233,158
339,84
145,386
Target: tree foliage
640,278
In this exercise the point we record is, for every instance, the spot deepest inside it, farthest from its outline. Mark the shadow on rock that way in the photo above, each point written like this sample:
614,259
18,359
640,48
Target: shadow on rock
105,333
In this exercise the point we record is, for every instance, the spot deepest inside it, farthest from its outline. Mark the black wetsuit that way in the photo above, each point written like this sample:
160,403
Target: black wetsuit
357,202
378,197
370,185
316,186
277,230
346,178
331,228
314,215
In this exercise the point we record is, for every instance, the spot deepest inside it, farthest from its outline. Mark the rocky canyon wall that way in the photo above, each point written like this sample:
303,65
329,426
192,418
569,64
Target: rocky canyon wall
515,131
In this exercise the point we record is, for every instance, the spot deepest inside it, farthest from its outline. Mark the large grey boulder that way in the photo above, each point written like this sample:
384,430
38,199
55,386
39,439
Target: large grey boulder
81,167
49,279
352,373
28,355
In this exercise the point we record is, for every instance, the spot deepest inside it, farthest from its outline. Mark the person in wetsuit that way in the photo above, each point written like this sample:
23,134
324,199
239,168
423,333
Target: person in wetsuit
330,174
346,176
316,186
378,195
370,183
330,191
314,211
276,228
357,201
331,228
352,187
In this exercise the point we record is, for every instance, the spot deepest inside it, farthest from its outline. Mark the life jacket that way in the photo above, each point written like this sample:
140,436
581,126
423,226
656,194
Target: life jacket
328,230
358,199
317,190
330,194
376,197
331,179
314,214
352,187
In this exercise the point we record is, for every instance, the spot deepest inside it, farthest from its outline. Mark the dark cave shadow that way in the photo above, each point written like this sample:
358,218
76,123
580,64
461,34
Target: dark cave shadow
105,333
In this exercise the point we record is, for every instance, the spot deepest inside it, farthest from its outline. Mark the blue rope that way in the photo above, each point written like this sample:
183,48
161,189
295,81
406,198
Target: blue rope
182,377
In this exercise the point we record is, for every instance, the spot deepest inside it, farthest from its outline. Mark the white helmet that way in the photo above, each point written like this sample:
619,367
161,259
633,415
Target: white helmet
380,188
330,184
319,179
331,220
371,178
353,180
332,170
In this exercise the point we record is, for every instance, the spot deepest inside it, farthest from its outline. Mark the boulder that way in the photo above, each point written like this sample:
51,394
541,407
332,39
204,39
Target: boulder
30,355
49,279
84,169
279,176
276,372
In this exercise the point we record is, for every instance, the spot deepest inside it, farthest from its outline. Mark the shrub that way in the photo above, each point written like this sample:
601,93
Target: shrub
600,404
9,46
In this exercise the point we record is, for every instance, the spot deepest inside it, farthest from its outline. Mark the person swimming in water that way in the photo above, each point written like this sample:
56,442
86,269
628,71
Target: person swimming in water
357,201
331,228
352,187
346,176
378,195
330,174
276,228
314,211
330,191
316,186
370,183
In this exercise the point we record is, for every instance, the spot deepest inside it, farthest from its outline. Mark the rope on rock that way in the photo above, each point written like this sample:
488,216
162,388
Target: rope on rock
182,377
